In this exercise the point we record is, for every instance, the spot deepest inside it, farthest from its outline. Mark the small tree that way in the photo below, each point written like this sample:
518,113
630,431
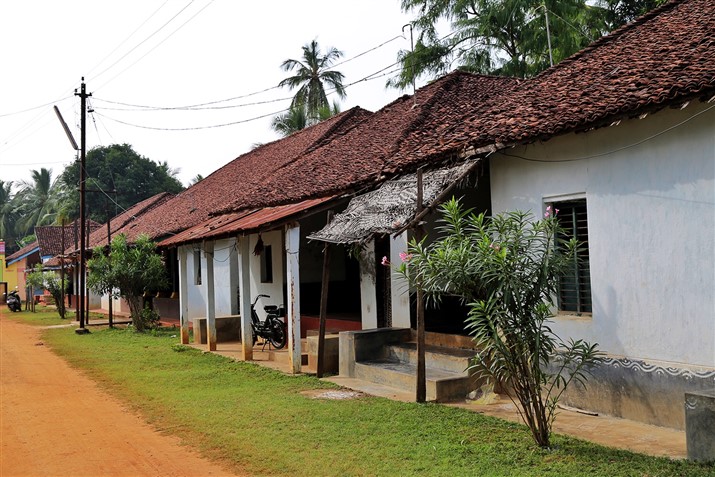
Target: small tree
507,269
33,281
49,280
57,288
128,271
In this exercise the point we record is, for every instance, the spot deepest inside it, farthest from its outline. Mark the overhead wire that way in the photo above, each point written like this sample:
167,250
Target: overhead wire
201,106
143,41
127,38
157,45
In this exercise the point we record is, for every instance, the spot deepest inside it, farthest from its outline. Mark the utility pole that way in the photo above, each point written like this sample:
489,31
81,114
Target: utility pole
82,206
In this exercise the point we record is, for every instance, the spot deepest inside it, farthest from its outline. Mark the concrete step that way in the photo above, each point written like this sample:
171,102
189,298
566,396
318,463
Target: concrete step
442,385
456,360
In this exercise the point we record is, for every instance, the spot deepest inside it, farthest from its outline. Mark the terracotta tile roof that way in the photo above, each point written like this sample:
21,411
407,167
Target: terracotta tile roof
239,179
665,57
24,251
245,221
99,236
381,144
49,237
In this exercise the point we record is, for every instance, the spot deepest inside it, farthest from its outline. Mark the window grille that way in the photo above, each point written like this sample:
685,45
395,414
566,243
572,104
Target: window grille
575,284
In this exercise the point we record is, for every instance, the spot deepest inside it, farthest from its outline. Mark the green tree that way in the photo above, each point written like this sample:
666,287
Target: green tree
36,202
49,280
507,269
128,270
312,74
196,179
296,118
34,281
117,168
623,11
7,215
504,37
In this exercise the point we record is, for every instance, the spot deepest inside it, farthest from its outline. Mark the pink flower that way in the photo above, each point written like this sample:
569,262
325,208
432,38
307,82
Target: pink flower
547,214
405,257
494,246
385,261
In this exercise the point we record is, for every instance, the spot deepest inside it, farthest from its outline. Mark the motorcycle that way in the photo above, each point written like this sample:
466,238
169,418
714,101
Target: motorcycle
13,301
271,329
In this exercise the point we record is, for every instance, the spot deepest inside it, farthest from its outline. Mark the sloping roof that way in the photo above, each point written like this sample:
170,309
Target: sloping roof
382,144
238,180
391,206
49,237
28,249
99,236
664,58
244,221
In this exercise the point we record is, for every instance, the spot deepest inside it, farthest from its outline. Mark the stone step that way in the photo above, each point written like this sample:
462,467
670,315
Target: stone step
456,360
442,385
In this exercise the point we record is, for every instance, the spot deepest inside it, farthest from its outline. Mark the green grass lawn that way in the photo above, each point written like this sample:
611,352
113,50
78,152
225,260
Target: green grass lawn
257,420
42,316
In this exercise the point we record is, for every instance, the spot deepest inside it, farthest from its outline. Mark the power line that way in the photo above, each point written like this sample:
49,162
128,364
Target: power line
143,41
158,44
127,38
202,106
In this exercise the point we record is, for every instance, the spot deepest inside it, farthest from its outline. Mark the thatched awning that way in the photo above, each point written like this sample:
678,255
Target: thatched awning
392,206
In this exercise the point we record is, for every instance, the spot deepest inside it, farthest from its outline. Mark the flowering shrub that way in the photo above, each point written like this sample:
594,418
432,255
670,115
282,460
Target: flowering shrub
507,268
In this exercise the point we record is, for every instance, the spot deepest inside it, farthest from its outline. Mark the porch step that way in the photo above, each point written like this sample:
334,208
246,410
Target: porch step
455,360
442,385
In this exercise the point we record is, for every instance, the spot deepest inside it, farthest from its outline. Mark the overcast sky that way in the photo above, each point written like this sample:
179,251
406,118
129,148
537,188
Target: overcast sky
173,53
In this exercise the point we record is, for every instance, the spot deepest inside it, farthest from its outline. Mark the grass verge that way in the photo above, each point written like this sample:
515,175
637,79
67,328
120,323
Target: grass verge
257,420
42,316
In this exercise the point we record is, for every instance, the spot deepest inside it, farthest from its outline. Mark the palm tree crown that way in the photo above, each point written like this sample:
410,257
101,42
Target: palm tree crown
311,76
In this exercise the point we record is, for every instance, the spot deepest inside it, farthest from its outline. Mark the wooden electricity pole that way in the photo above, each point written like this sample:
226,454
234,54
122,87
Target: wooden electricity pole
421,390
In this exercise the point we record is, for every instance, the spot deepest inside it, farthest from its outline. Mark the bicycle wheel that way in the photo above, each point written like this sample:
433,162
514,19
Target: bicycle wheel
278,336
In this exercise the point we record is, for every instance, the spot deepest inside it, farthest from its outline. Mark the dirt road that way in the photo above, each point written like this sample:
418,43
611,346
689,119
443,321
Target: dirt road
56,422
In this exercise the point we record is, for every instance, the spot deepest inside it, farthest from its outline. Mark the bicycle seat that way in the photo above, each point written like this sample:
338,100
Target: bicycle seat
270,308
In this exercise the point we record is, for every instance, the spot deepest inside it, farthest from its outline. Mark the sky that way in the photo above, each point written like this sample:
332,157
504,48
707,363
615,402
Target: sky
137,56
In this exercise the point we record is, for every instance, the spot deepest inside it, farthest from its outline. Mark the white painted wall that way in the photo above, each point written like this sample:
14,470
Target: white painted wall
399,286
651,218
274,289
225,260
225,256
196,300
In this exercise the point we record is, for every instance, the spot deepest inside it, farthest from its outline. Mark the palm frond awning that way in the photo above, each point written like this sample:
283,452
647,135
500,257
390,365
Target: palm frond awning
393,206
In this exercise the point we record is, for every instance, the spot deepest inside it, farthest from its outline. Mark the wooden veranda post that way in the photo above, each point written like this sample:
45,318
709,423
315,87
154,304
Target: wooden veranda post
421,388
324,304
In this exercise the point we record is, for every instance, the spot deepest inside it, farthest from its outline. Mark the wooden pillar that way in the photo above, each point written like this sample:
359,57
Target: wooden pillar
292,234
210,297
183,294
325,282
244,303
368,289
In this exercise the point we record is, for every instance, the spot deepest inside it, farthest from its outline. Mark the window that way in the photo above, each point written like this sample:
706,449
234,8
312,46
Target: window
575,285
267,265
197,267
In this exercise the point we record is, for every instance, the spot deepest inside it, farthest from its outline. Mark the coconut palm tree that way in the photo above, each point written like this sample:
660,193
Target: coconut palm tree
37,204
7,215
312,74
296,118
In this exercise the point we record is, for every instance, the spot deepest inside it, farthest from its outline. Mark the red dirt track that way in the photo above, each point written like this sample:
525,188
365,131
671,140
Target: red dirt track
56,422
